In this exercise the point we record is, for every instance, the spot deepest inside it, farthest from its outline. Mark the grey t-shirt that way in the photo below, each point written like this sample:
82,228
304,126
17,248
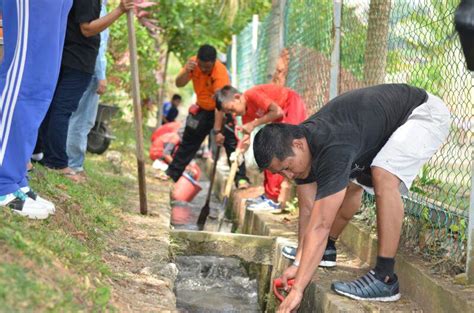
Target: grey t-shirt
348,132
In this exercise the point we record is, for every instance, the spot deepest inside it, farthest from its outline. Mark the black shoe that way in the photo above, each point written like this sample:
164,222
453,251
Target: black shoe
369,288
328,260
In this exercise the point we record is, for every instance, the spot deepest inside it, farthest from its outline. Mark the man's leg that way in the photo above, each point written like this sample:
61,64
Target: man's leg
71,86
80,124
350,205
28,78
230,143
192,140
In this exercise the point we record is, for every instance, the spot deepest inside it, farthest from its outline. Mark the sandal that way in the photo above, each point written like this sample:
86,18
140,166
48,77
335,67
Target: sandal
162,176
69,174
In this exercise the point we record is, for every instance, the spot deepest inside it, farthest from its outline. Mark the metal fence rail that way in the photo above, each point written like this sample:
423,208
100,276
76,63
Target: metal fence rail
383,41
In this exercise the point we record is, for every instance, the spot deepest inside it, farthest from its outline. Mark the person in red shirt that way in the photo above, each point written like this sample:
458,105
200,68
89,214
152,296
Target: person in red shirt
259,105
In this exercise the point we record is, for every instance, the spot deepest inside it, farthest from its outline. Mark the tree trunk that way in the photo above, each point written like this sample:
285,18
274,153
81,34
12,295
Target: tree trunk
377,42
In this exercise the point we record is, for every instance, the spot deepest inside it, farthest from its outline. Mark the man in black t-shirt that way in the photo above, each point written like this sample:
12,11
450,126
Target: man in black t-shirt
375,138
80,51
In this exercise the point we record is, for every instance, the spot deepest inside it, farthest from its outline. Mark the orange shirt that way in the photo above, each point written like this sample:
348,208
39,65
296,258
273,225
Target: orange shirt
205,85
259,98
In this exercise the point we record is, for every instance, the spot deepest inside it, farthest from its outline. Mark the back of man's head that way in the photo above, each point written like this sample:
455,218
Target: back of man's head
275,141
207,53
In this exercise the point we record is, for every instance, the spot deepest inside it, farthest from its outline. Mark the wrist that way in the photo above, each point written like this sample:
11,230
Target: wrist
216,131
296,263
297,289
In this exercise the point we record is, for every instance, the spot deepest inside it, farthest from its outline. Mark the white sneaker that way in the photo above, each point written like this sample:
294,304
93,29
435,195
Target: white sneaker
23,205
266,204
33,195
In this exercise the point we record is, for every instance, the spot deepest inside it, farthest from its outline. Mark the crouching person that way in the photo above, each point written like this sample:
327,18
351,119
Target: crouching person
375,138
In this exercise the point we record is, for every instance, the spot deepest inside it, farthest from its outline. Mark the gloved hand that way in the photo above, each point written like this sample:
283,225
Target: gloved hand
237,155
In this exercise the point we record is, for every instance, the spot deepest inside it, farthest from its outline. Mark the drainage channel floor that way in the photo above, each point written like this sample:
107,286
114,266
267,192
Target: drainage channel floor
211,284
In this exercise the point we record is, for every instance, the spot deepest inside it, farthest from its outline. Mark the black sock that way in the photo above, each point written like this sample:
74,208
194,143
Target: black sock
331,243
384,268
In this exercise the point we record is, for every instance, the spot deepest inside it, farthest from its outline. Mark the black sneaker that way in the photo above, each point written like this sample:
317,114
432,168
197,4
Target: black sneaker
328,260
369,288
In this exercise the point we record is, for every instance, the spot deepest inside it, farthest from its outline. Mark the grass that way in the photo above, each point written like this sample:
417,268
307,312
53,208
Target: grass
56,265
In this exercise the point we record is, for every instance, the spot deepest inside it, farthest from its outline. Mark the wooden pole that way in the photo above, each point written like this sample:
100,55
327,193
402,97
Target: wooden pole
137,110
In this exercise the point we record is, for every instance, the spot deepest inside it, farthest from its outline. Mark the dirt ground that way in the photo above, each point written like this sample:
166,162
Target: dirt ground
138,253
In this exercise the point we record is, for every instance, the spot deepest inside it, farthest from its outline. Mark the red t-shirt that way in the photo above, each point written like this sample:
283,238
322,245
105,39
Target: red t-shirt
259,98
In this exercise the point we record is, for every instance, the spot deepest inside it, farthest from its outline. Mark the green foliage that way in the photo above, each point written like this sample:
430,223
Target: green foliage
310,24
186,24
292,205
118,71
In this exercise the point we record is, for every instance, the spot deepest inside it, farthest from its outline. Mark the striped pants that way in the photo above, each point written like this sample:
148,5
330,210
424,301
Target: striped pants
34,33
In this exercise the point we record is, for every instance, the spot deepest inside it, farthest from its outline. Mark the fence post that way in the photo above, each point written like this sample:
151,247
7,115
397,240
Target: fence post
470,230
254,34
336,51
233,64
281,29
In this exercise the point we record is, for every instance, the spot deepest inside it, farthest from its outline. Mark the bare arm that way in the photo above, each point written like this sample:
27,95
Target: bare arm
314,242
316,235
185,75
274,112
96,26
306,195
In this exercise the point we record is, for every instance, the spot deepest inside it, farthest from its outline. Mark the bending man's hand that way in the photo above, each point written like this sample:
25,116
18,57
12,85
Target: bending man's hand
291,302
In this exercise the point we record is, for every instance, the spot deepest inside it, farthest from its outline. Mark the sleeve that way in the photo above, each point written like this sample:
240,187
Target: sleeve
166,109
333,171
101,63
221,78
172,114
258,99
83,11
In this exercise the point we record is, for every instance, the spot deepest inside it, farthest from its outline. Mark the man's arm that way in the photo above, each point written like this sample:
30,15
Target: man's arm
306,195
314,242
274,113
96,26
185,75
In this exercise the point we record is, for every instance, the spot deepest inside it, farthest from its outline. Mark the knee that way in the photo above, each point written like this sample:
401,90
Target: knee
354,190
384,182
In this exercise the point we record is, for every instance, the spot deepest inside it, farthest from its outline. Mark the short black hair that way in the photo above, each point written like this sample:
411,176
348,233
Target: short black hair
225,94
176,97
275,141
207,53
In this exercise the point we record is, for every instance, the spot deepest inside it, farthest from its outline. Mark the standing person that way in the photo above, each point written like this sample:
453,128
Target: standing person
170,109
34,34
375,138
83,119
79,55
207,75
259,105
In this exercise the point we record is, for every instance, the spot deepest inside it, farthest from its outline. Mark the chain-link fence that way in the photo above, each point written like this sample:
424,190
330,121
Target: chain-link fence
383,41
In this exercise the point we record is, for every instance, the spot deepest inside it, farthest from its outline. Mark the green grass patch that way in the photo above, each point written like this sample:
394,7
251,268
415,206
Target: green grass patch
56,265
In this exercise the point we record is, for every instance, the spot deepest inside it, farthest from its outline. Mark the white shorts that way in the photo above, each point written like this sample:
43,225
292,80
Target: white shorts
414,143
